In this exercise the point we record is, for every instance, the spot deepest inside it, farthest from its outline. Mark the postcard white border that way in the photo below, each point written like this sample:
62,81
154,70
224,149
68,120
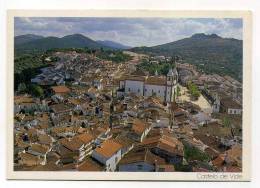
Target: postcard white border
151,176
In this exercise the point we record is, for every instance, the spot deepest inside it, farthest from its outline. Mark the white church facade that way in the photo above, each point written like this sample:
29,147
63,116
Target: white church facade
164,87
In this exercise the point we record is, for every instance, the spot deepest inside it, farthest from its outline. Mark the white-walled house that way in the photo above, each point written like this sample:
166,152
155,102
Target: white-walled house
40,151
229,106
140,161
109,154
139,130
127,144
235,111
87,139
76,148
163,87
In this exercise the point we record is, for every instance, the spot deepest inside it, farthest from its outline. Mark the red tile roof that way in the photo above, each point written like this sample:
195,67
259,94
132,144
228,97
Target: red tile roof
74,144
39,148
139,126
219,161
90,165
60,89
170,144
142,156
108,148
85,137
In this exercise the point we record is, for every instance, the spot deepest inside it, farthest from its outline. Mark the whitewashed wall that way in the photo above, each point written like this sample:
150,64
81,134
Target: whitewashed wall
234,111
108,161
170,93
112,161
134,86
158,89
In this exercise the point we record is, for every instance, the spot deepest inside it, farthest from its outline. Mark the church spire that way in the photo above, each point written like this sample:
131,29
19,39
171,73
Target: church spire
170,73
156,73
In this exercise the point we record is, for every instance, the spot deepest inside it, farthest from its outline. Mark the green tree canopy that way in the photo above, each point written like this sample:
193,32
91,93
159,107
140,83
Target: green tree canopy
22,88
226,122
37,91
193,90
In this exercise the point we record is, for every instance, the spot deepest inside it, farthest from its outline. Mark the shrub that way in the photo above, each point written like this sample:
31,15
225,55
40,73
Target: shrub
192,153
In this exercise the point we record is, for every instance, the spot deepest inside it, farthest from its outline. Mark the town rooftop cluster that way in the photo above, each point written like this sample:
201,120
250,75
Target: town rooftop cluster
97,115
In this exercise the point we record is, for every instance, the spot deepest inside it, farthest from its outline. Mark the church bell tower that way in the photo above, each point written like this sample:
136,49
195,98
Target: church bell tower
171,84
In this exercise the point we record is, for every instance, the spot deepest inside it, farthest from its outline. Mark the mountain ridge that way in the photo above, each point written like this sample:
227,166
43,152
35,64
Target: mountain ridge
68,41
112,44
31,41
21,39
210,53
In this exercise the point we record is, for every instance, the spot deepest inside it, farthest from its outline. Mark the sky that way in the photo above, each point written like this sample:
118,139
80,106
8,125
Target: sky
129,31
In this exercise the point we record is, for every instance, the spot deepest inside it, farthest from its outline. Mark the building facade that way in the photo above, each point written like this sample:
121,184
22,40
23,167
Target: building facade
108,154
164,87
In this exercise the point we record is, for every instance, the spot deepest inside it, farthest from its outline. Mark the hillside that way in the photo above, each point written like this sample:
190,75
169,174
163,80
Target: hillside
22,39
112,44
211,53
69,41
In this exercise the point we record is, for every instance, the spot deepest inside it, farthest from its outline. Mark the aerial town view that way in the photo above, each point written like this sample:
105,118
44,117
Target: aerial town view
128,94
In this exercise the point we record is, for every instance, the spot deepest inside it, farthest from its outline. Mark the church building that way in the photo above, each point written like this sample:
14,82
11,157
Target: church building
164,87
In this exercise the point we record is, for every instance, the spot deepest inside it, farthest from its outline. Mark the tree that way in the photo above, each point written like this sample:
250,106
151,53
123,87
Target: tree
226,122
193,90
192,153
37,91
206,87
22,88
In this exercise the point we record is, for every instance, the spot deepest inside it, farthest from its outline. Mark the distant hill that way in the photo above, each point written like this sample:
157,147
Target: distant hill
112,44
69,41
21,39
211,53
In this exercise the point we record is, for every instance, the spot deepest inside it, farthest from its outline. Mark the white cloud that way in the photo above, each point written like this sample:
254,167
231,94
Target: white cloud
130,31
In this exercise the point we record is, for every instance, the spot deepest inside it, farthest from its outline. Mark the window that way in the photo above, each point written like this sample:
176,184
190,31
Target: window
159,91
116,159
138,90
129,89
